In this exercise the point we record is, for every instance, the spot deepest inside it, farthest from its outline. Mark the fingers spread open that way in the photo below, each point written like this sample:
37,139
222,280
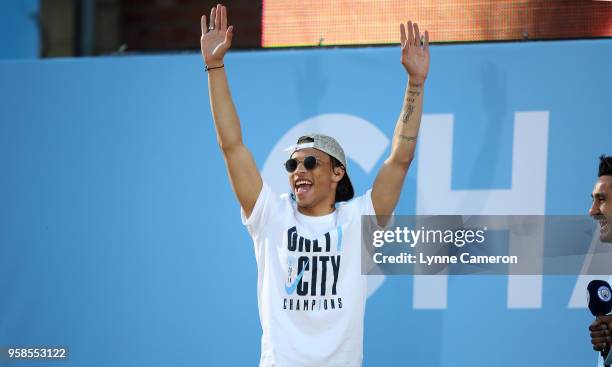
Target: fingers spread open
228,36
223,18
417,35
426,46
402,35
410,34
203,21
218,17
212,17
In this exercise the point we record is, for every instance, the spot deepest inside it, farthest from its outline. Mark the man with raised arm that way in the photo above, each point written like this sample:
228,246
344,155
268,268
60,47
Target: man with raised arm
310,290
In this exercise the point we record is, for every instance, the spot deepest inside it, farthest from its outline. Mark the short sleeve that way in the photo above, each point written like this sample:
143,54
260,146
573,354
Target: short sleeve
260,214
369,224
360,205
367,208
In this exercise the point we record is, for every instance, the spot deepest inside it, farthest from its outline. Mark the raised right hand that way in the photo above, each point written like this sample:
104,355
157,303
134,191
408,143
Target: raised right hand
216,38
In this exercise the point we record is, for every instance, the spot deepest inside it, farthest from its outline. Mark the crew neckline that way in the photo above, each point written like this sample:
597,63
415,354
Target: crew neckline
315,219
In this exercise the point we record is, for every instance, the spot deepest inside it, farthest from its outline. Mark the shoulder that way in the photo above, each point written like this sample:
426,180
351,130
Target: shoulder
360,205
267,205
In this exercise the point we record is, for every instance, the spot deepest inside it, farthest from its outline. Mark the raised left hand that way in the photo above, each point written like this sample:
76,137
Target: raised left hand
415,56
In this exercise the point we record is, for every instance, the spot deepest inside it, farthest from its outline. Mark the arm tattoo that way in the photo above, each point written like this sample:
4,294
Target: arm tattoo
413,94
414,91
408,138
407,114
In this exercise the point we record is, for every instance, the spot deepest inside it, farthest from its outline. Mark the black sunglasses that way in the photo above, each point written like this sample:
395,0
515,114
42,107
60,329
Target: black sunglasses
309,162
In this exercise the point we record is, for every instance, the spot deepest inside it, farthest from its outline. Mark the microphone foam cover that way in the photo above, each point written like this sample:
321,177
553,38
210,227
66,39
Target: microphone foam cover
599,296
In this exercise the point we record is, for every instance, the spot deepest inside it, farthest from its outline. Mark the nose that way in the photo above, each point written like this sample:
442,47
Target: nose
594,209
300,167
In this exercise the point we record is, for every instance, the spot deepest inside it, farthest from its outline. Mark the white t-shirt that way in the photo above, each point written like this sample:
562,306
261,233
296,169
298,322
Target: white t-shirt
310,290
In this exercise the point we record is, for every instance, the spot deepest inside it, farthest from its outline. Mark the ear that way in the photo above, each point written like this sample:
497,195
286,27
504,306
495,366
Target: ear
337,174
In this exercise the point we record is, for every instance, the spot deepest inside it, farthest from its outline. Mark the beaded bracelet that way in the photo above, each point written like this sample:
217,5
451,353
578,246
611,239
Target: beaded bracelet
206,68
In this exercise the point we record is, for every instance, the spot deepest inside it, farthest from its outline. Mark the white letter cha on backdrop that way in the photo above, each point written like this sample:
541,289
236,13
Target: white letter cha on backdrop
527,196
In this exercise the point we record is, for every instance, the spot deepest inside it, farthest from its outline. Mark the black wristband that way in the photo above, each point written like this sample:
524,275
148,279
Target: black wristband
206,68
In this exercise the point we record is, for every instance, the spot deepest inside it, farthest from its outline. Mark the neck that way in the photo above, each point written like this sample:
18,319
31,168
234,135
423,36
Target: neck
323,208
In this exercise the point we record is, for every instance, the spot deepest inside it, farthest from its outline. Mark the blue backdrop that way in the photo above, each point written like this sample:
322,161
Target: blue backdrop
20,29
121,239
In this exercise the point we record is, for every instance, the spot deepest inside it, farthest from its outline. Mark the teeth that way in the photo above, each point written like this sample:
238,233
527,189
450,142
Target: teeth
303,182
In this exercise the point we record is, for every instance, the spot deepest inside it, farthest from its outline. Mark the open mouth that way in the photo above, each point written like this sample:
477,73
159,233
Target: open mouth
302,186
